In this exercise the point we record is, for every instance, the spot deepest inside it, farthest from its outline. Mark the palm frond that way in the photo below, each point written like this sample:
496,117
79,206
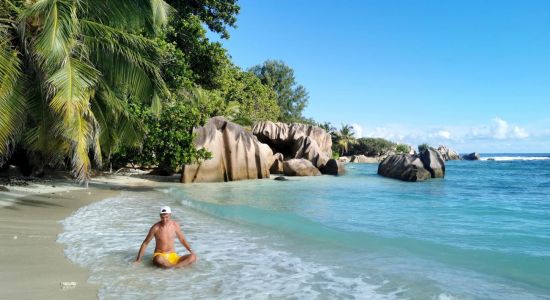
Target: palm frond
124,59
132,15
38,137
118,125
56,37
71,87
12,100
80,134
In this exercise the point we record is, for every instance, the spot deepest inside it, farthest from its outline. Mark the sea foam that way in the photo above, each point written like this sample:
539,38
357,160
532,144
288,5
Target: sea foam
234,263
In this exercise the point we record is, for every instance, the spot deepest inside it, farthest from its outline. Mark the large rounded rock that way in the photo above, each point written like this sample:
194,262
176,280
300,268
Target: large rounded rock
300,167
471,156
296,141
447,153
276,163
433,162
236,154
333,167
404,167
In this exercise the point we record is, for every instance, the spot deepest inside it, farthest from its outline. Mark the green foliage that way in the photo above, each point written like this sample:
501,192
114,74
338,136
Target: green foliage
205,60
66,68
216,14
327,126
84,81
175,67
292,98
402,148
372,146
343,139
423,147
168,140
256,101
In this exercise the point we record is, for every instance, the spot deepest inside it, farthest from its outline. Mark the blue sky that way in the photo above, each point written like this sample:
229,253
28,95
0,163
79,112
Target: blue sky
473,75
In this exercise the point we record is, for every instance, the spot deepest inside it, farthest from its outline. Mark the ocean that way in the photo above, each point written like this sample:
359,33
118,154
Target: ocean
482,232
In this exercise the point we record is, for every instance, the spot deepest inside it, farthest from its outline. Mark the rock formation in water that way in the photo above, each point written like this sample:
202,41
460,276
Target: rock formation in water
447,153
428,164
471,156
433,162
236,154
298,141
300,167
403,166
276,163
333,167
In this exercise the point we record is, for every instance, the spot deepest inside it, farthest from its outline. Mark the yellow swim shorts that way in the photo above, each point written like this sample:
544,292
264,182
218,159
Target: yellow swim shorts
171,257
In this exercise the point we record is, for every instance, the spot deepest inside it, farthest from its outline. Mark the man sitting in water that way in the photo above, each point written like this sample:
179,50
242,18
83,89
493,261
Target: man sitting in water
164,231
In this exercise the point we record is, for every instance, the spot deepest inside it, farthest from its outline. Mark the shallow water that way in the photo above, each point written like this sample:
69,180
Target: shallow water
483,232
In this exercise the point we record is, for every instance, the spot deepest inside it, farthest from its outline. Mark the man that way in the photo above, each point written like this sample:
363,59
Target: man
164,232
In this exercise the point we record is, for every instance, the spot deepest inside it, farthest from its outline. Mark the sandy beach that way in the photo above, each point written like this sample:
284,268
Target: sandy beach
33,263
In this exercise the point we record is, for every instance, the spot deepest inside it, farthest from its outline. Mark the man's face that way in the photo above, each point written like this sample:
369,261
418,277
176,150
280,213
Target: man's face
164,218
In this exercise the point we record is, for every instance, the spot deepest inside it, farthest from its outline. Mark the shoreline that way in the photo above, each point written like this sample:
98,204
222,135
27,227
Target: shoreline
34,265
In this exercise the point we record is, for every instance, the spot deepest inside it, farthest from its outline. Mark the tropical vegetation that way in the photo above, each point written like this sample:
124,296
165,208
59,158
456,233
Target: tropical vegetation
68,68
89,83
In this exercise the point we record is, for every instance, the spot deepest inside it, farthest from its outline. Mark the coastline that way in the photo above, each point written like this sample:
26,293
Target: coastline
33,263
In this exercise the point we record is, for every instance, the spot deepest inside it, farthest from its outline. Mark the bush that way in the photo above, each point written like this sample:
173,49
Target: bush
371,147
168,140
423,147
402,148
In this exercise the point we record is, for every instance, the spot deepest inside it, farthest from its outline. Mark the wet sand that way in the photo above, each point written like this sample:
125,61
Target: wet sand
33,264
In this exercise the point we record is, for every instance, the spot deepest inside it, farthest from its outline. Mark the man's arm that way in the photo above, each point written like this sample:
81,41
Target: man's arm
148,238
181,238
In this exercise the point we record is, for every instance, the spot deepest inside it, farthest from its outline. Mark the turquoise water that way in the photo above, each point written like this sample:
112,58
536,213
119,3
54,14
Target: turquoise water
482,232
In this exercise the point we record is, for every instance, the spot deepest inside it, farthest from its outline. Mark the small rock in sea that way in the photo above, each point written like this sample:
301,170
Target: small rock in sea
53,185
4,189
280,178
67,285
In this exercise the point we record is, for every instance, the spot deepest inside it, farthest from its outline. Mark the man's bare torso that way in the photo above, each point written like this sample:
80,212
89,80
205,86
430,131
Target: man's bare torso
164,236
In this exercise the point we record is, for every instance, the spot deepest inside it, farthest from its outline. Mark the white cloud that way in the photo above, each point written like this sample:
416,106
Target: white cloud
444,134
357,130
501,130
520,133
496,133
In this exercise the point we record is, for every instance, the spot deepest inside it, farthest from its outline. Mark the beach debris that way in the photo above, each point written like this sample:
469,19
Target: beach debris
15,237
89,193
65,285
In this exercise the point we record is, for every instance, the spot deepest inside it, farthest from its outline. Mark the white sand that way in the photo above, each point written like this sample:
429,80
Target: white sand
33,265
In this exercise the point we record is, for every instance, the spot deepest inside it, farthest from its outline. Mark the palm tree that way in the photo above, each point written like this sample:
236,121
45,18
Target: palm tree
326,126
67,68
345,138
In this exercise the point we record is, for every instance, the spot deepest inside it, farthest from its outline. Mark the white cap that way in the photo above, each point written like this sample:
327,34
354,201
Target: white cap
165,210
